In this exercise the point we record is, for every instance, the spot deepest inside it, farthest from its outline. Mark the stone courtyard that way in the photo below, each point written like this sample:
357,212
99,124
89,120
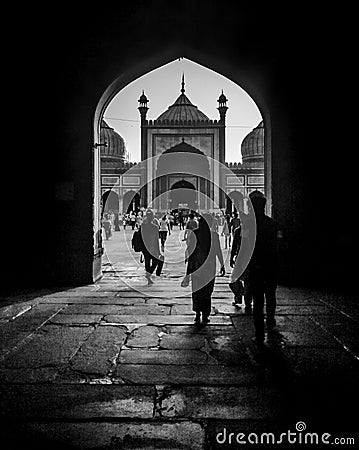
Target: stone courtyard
121,365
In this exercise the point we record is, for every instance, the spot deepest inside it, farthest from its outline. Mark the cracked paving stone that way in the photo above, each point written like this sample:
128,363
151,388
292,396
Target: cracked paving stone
146,336
52,345
76,401
163,357
222,402
166,301
184,435
178,341
96,355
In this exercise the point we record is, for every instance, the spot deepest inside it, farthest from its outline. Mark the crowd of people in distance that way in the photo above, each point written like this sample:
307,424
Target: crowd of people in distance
256,285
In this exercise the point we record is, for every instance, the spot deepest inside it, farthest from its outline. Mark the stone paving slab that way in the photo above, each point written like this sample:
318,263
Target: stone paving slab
80,401
82,294
144,337
211,375
341,328
164,320
180,342
222,402
98,353
305,310
180,301
25,375
314,362
53,345
213,330
141,310
179,357
182,435
12,311
94,301
76,319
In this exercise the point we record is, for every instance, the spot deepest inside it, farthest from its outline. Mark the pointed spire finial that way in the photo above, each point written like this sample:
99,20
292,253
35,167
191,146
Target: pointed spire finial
182,90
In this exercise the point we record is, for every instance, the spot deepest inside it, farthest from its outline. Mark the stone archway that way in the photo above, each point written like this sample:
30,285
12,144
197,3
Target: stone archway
131,201
207,60
183,194
110,202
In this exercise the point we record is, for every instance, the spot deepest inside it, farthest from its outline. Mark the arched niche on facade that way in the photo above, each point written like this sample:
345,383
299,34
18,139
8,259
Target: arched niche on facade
110,202
131,201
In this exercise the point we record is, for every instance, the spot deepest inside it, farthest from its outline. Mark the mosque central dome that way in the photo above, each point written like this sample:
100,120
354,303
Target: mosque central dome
183,109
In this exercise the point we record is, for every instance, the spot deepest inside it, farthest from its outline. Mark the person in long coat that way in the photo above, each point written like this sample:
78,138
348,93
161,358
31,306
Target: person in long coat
203,251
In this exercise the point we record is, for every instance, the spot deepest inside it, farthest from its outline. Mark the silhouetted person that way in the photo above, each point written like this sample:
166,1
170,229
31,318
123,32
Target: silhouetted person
263,267
181,220
226,233
234,223
238,237
203,249
151,252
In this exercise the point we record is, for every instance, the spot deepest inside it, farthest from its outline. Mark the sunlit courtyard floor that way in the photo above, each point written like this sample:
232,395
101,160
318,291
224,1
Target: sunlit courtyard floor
120,364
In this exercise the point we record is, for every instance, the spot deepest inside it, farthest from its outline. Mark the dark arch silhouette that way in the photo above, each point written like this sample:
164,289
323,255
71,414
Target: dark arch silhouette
109,202
131,201
183,194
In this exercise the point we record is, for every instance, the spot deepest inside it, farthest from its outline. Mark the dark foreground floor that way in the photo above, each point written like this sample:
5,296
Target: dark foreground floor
108,367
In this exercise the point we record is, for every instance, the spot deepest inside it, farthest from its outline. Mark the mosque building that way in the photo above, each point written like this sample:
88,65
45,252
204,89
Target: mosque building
182,146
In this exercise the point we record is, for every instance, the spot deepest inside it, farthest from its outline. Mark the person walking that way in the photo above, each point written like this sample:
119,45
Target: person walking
191,225
242,286
203,250
106,223
234,223
263,267
151,249
164,230
226,233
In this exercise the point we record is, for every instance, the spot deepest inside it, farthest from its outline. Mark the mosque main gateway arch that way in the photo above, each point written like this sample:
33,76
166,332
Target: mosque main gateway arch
182,124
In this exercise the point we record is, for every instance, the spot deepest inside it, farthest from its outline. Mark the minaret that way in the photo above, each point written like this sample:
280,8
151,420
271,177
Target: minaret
143,108
143,100
222,108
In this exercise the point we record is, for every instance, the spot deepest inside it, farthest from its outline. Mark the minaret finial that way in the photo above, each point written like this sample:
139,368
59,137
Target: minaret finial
182,90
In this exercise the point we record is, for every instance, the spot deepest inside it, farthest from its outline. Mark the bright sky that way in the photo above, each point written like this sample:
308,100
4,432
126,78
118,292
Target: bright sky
203,87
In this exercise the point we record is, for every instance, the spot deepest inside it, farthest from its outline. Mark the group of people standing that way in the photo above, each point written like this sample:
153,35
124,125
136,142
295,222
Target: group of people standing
257,283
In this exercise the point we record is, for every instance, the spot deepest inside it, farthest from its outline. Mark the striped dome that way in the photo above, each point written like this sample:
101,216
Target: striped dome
115,148
252,147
